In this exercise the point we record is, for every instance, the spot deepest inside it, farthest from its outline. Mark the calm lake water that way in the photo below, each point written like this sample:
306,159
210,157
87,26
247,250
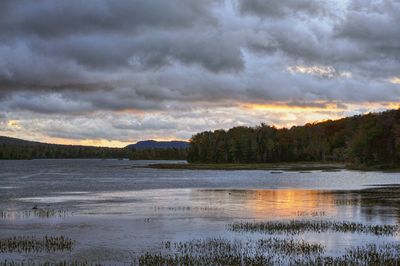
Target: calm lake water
115,210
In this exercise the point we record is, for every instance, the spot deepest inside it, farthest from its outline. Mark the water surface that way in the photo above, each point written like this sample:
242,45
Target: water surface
117,209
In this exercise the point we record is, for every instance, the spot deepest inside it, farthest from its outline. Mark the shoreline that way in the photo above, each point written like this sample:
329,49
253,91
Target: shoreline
252,166
300,166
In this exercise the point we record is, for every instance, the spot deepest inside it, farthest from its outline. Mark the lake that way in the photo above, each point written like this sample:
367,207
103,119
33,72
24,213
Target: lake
115,211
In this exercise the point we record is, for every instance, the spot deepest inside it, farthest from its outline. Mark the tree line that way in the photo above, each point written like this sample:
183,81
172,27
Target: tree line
25,150
371,139
53,151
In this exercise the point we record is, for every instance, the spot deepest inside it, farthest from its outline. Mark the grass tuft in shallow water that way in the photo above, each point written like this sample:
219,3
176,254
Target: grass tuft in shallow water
36,213
217,251
221,246
46,263
30,244
272,251
370,254
295,227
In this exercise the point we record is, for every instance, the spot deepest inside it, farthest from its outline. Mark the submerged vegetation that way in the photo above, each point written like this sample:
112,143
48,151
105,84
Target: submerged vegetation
31,244
295,227
366,140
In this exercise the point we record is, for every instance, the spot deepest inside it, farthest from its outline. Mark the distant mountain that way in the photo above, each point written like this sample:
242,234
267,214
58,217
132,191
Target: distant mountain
152,144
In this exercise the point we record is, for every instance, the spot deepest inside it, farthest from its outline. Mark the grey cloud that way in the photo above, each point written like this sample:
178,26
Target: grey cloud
53,18
82,58
372,28
279,8
316,104
46,103
154,49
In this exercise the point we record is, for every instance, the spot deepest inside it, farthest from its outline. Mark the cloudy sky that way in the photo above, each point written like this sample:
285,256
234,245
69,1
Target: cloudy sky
111,72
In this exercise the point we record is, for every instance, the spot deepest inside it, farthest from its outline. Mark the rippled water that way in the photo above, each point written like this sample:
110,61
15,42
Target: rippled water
115,209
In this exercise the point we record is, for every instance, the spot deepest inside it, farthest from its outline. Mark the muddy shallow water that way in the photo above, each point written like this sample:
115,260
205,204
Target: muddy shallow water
115,210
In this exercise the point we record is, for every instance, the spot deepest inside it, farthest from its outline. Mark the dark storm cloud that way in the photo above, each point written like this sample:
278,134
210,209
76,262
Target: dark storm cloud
279,8
154,49
54,18
79,57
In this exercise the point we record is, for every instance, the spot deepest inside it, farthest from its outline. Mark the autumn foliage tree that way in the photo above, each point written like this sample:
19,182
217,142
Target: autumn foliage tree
371,139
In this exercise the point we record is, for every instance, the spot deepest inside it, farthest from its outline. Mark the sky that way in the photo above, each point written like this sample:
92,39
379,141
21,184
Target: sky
113,72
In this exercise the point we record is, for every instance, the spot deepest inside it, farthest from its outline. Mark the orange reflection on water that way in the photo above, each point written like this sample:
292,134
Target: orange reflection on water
279,204
288,203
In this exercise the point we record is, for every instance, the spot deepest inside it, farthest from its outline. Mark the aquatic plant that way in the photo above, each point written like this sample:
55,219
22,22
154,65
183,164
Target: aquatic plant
222,259
257,252
34,213
370,254
312,213
221,246
31,244
218,251
33,263
295,227
271,251
188,208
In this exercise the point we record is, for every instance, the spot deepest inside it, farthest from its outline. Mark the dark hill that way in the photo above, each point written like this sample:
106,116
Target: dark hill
152,144
15,141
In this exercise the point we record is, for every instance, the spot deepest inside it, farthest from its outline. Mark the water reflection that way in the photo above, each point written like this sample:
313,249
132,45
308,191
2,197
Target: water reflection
134,221
375,205
272,204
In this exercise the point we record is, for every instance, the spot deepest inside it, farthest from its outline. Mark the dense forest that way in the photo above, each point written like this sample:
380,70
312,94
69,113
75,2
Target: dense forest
11,148
371,140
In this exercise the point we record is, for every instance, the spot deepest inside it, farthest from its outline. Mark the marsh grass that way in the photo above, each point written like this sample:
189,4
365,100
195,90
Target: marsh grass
370,254
221,246
311,214
30,244
37,213
188,209
223,259
33,263
295,227
218,251
271,251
